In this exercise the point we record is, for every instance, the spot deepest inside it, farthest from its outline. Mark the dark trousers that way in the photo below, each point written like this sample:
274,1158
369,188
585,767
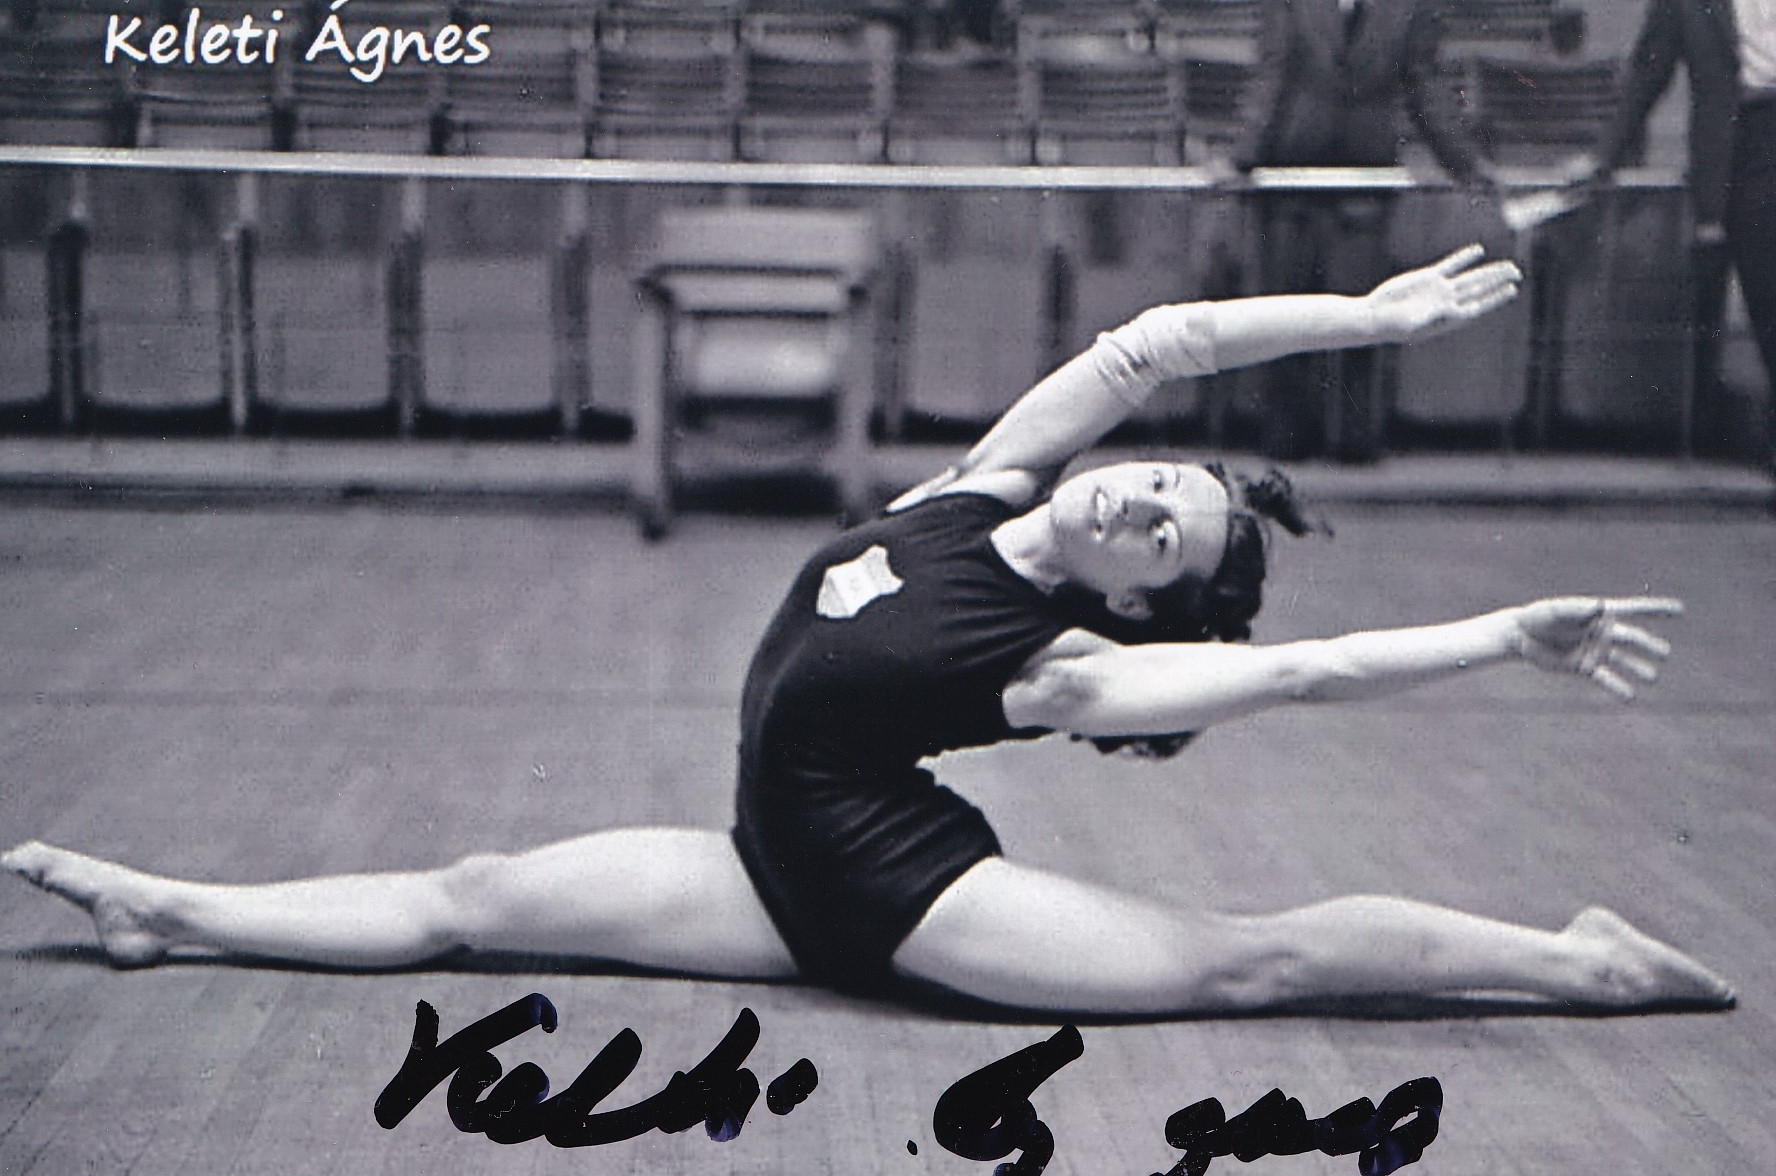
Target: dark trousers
1332,403
1750,248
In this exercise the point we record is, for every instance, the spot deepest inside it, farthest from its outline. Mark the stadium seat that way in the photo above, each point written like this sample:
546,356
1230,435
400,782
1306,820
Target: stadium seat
335,112
534,96
1468,388
673,28
25,310
59,91
328,253
1539,112
526,28
1136,250
960,367
493,308
1208,30
529,108
226,105
665,83
820,29
652,106
1214,45
957,110
1521,27
816,84
1125,110
1619,360
154,292
215,107
813,110
1082,30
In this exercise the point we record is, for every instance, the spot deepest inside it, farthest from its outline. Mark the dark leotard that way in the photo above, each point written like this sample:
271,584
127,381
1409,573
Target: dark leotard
894,644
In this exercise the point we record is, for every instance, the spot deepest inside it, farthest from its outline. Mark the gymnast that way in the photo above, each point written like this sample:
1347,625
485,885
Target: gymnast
991,604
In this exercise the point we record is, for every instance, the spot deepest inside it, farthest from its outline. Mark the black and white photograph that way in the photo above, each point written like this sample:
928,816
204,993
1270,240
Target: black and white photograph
922,587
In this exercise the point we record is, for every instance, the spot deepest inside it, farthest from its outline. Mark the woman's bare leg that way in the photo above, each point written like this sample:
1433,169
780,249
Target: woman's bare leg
1025,937
665,898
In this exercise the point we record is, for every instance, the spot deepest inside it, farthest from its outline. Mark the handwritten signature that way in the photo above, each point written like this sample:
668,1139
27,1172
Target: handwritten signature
717,1092
988,1115
1276,1125
985,1115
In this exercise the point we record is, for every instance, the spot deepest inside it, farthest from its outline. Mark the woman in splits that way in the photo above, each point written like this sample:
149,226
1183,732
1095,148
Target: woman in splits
982,607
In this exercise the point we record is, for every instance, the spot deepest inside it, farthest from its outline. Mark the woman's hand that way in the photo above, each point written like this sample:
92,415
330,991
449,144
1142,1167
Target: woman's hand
1587,635
1423,303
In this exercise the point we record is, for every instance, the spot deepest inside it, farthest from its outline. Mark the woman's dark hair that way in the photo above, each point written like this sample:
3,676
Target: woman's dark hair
1220,608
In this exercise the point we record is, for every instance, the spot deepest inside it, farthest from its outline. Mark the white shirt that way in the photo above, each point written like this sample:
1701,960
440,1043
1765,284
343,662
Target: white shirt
1757,43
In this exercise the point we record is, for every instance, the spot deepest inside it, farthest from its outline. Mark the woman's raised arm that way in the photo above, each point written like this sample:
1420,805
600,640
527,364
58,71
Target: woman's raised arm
1075,405
1103,689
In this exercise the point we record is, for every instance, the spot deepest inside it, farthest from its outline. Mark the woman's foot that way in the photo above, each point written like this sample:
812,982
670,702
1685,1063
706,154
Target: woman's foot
1626,967
116,897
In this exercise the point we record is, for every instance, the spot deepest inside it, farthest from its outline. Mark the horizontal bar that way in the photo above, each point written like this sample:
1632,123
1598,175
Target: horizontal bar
764,175
86,466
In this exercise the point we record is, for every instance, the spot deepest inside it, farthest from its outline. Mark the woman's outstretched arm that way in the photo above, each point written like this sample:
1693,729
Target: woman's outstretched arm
1080,401
1097,688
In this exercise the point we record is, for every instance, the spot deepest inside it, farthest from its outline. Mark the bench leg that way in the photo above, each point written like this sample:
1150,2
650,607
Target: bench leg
650,479
854,470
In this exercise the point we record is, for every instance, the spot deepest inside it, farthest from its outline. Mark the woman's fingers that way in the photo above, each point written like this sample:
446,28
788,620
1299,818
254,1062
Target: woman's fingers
1584,609
1490,302
1493,276
1650,644
1619,654
1478,292
1642,606
1426,302
1634,665
1613,682
1460,260
1585,635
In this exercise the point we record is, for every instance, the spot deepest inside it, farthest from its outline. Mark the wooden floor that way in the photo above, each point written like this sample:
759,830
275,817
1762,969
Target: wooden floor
247,695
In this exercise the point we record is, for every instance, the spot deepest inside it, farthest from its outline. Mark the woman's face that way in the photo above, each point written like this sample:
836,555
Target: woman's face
1123,529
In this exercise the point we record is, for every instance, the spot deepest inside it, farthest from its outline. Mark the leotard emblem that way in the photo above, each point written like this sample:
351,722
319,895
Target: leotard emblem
848,588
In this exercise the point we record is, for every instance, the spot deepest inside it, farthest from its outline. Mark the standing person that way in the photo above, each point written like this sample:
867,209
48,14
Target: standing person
973,612
1730,49
1333,78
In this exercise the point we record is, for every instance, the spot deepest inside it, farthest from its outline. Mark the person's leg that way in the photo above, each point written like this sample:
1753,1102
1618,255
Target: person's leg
1356,262
665,898
1751,224
1291,252
1709,422
1032,939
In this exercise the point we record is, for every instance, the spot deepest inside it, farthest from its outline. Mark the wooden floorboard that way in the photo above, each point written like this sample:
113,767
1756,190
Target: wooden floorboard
250,694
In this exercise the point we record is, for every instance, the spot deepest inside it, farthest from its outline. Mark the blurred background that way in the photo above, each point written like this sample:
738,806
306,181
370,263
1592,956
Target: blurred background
463,253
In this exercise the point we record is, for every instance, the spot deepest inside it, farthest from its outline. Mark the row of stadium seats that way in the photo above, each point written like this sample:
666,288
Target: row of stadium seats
1100,83
320,304
1076,25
